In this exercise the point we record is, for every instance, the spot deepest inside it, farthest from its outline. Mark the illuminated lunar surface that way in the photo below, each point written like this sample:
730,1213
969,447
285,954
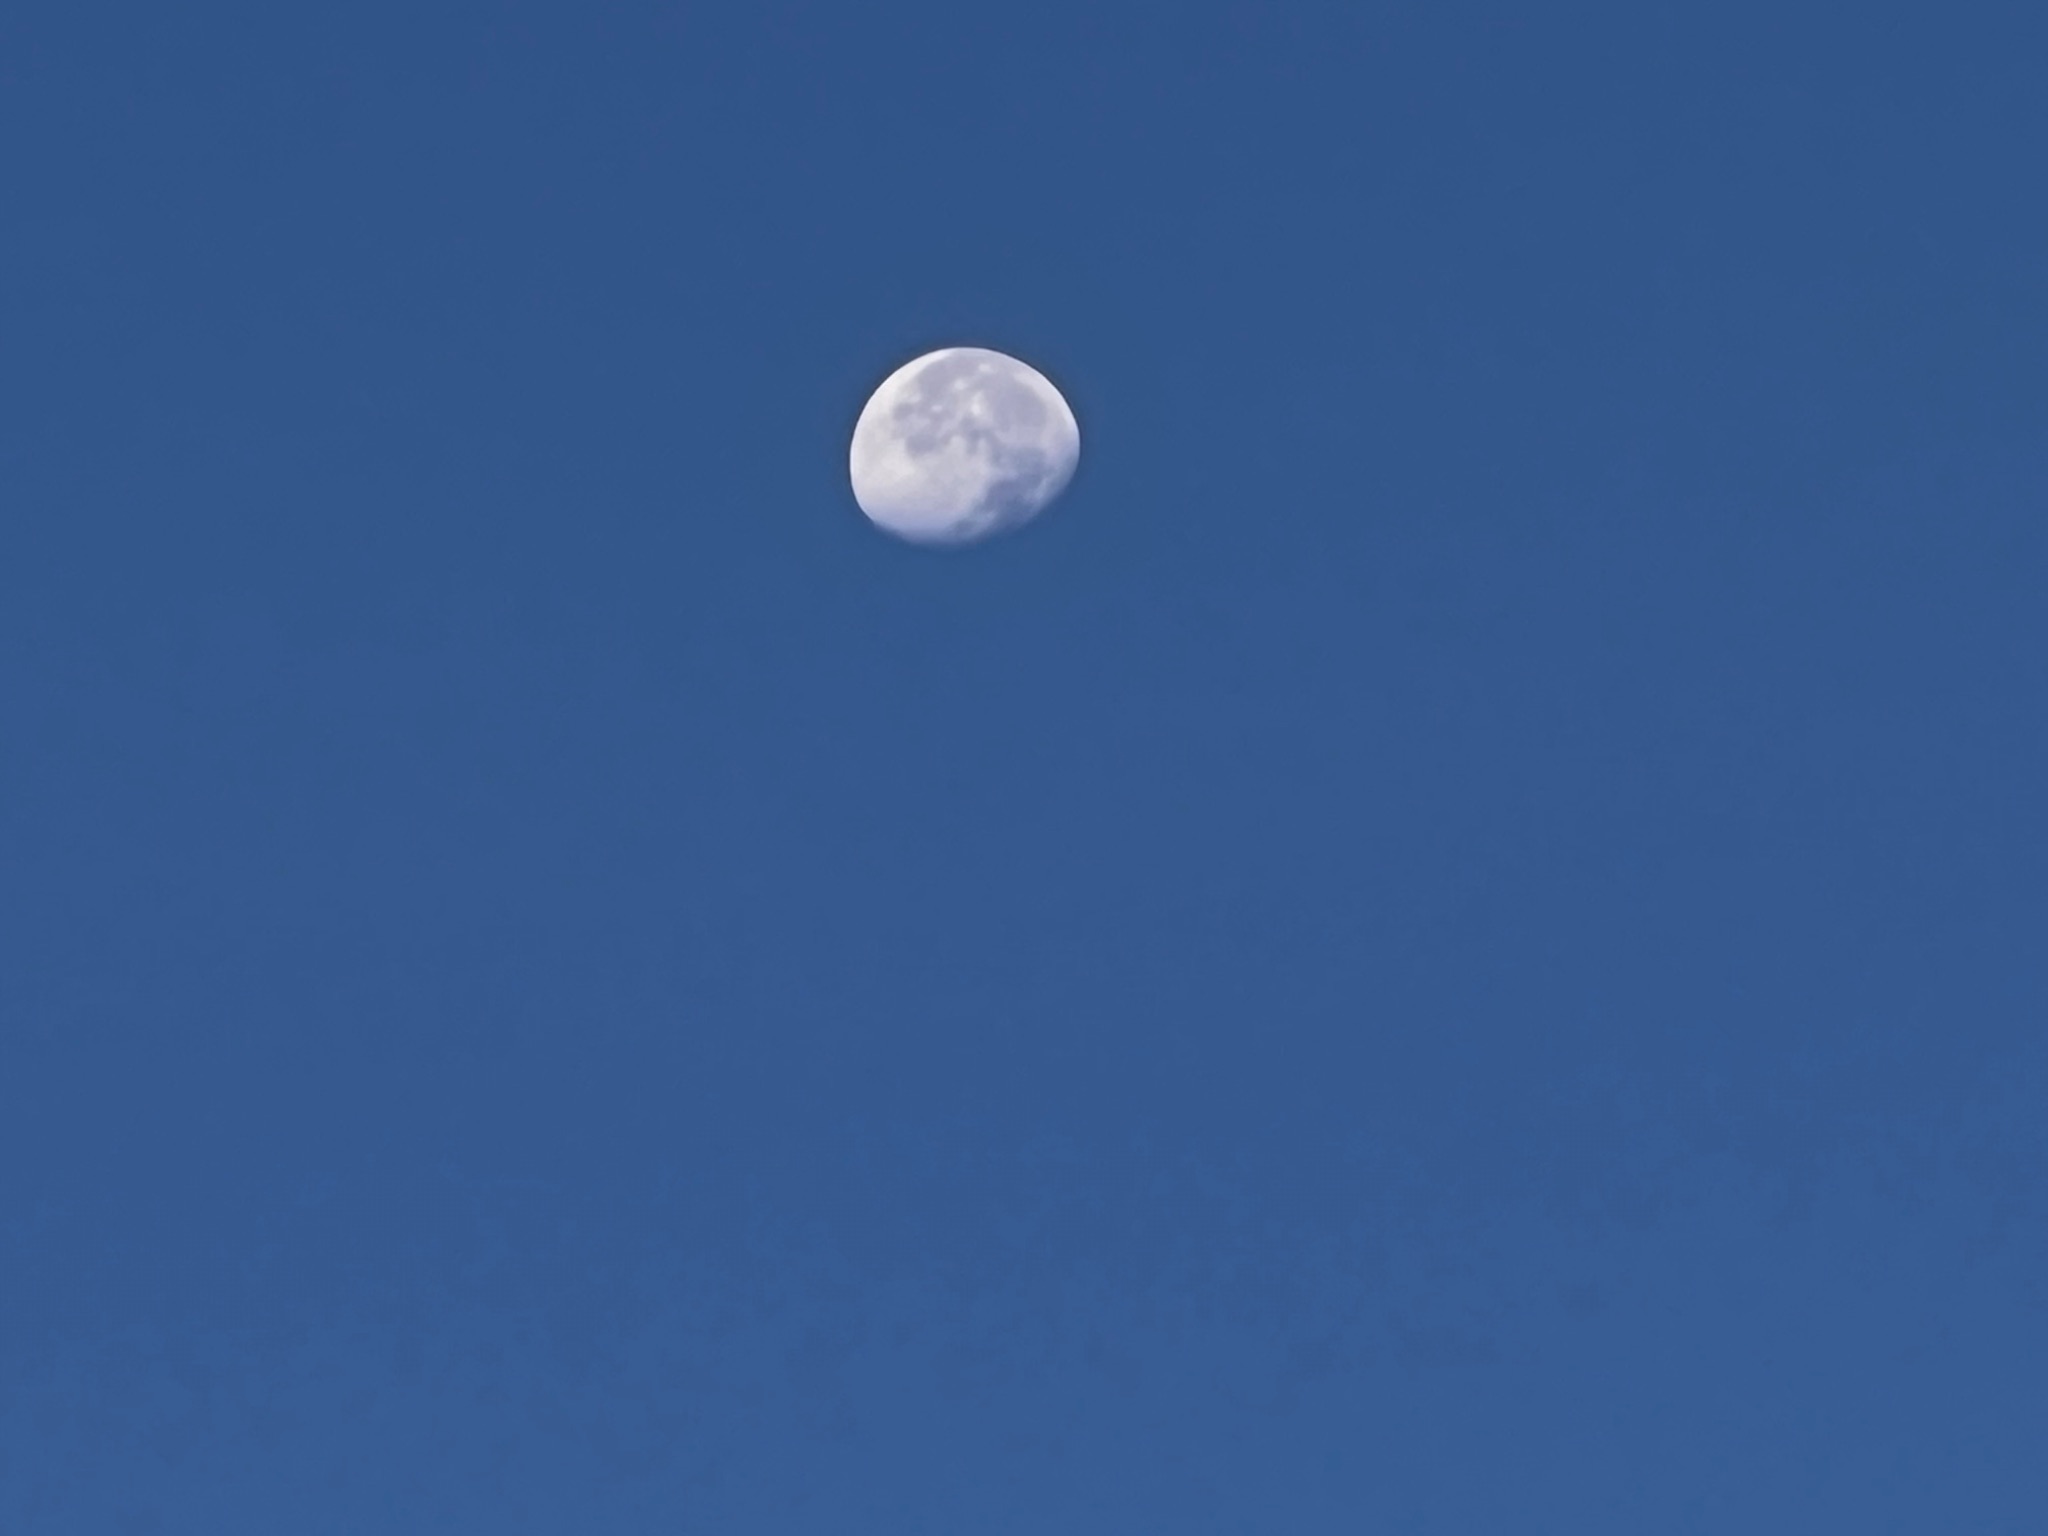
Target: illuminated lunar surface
960,445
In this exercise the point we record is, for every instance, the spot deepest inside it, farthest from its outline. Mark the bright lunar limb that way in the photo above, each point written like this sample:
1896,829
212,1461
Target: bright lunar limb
961,444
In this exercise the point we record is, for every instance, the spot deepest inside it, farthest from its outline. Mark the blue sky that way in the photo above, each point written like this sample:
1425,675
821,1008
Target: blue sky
1452,942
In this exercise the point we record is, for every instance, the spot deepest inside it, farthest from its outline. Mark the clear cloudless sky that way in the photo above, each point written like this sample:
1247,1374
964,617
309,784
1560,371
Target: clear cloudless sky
1455,941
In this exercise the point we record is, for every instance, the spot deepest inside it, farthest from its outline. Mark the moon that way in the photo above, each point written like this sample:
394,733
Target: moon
960,445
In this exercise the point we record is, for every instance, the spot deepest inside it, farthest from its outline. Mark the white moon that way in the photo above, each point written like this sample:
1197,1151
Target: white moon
961,444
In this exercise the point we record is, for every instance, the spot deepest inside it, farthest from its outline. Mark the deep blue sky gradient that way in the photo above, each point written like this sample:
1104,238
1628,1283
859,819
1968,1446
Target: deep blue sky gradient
1457,941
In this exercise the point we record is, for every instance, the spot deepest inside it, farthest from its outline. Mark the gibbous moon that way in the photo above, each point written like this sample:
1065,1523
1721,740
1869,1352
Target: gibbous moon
962,444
